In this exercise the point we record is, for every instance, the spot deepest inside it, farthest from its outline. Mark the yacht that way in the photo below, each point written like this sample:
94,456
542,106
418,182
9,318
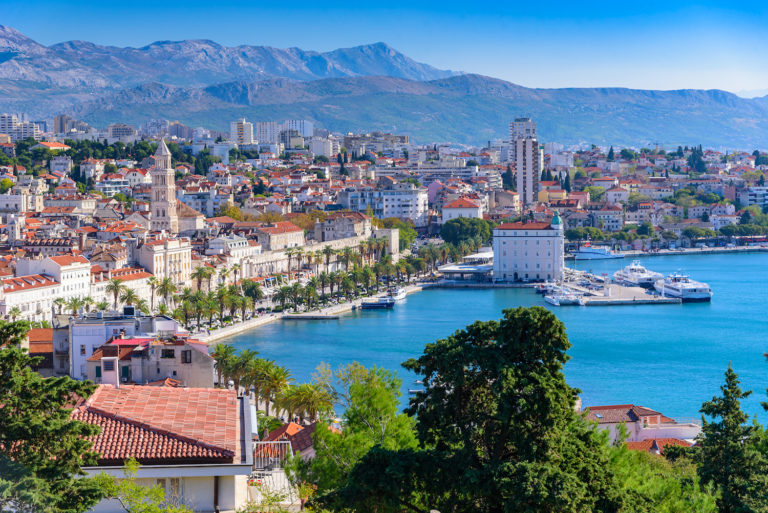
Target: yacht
397,294
637,275
679,285
589,252
564,299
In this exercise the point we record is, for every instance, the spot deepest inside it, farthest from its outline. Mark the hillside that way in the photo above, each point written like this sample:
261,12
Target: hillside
369,87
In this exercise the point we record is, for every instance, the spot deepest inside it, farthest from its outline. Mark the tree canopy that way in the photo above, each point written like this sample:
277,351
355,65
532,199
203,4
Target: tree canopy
463,229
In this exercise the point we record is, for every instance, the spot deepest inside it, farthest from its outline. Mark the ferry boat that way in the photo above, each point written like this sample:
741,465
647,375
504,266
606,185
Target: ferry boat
564,299
637,275
378,303
589,252
679,285
397,294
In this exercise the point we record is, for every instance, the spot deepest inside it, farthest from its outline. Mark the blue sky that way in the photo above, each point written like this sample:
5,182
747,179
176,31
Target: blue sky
649,44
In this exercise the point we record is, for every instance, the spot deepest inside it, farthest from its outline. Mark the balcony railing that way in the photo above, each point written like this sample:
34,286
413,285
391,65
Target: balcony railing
271,455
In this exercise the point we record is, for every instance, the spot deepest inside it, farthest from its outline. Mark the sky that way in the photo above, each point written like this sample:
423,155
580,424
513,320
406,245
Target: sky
647,45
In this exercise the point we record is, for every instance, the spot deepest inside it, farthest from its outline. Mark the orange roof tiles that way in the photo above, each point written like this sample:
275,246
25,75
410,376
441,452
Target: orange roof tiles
27,282
524,226
163,425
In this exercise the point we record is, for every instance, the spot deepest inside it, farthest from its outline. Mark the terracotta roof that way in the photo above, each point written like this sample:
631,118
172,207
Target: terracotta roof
163,425
460,203
656,445
40,335
279,227
619,413
66,260
32,281
524,226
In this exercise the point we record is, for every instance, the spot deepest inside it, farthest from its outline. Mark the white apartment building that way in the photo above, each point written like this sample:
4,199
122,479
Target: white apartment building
171,258
461,207
324,146
268,132
7,123
241,132
238,248
302,126
33,295
402,200
25,130
73,273
61,164
528,251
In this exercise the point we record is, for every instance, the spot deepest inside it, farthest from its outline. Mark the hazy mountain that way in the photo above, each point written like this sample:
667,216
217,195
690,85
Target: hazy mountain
371,87
466,108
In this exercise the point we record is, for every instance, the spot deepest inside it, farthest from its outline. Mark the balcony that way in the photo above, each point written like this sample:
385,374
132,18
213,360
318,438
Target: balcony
271,455
61,350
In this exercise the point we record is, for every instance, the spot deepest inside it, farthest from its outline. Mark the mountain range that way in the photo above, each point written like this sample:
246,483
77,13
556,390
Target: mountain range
369,87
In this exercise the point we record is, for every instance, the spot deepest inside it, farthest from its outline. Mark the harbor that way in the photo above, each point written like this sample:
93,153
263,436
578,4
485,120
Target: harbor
620,353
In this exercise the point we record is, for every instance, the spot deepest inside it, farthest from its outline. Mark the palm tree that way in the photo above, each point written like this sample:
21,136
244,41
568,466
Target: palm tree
74,305
246,304
59,302
115,287
166,289
324,278
310,294
87,303
202,272
236,269
327,253
142,306
222,296
274,380
299,257
241,365
224,355
153,283
368,277
14,313
347,285
102,305
223,274
211,306
162,309
337,278
363,250
297,292
307,399
233,303
282,296
129,297
289,253
346,256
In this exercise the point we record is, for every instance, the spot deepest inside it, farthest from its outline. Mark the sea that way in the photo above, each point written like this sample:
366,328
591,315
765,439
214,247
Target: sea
670,358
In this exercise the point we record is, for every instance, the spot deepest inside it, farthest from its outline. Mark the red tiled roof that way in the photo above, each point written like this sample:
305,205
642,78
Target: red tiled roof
619,413
163,425
461,203
32,281
40,335
656,444
66,260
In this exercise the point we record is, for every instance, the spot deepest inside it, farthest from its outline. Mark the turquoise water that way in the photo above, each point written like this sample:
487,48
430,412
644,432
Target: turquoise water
667,357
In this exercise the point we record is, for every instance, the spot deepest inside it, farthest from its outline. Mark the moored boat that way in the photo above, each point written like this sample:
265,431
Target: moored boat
589,252
635,274
378,303
398,294
681,286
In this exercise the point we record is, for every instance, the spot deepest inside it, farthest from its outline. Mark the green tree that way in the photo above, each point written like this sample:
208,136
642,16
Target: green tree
498,430
135,498
728,455
42,449
462,229
611,155
646,229
370,398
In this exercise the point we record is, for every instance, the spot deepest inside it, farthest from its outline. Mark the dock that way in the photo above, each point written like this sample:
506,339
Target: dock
310,317
614,294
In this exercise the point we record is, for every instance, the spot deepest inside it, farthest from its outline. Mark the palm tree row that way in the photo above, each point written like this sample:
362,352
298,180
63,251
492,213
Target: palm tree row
271,383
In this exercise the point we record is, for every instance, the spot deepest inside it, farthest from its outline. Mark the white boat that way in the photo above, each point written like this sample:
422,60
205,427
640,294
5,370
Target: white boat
398,294
679,285
564,299
635,274
589,252
378,303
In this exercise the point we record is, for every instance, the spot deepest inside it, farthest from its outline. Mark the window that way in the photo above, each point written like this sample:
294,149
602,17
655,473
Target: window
98,371
82,349
109,366
167,353
186,356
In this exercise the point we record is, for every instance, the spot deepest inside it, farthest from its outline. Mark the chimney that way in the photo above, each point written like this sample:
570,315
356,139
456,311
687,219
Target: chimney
109,371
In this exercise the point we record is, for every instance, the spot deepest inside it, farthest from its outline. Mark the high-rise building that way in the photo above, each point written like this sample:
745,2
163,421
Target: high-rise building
7,123
121,130
268,132
527,158
302,126
241,132
63,123
163,201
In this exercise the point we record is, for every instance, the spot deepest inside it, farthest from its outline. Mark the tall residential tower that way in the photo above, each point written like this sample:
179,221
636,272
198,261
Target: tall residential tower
527,158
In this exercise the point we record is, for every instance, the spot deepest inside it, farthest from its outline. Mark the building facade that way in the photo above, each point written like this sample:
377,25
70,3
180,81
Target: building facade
531,251
163,204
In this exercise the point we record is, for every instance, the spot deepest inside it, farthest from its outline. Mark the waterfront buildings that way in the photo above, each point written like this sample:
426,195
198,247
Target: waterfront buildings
529,251
401,200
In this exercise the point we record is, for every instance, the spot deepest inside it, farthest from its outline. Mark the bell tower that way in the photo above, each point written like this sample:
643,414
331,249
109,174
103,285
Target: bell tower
164,215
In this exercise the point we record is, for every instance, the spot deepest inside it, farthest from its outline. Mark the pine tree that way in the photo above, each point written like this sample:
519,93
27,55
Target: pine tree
728,455
611,155
567,183
41,448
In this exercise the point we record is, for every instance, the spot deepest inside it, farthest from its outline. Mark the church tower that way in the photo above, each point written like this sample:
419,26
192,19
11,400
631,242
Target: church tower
164,215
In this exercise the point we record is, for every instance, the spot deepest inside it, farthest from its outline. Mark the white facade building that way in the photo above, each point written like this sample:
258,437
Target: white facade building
402,200
528,251
73,273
